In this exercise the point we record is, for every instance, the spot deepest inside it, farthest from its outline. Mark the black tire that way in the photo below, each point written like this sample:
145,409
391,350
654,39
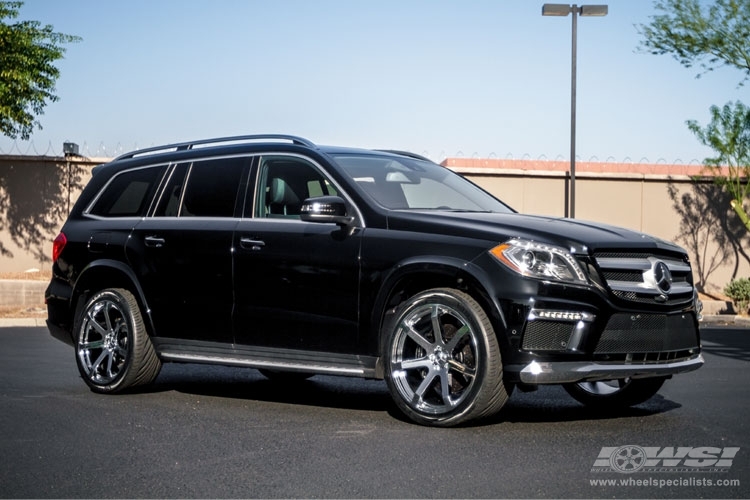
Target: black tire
285,377
442,360
614,394
113,349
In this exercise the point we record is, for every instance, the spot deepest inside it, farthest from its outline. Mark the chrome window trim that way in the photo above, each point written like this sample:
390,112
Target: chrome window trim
172,165
359,218
90,206
162,186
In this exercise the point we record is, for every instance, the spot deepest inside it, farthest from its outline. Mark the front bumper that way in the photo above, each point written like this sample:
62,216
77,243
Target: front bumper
563,372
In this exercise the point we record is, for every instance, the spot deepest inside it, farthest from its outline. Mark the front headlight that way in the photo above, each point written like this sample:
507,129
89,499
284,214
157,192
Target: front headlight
538,260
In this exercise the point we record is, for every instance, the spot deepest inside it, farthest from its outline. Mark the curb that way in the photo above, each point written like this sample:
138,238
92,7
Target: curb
726,319
15,322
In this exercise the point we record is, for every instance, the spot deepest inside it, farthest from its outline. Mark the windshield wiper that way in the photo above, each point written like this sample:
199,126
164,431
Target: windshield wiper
454,210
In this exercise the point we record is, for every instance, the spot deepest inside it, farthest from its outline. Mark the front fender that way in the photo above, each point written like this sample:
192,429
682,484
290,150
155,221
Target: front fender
416,274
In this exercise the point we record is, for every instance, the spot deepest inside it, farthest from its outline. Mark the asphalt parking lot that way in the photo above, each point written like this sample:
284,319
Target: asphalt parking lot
204,431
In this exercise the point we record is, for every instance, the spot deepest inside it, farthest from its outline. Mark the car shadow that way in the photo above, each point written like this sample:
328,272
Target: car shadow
552,404
733,343
248,384
547,405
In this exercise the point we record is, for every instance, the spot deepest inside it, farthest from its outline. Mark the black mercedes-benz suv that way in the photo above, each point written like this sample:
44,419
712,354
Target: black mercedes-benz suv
274,253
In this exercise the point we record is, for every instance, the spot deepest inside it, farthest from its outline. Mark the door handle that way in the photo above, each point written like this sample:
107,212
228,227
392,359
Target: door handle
252,244
154,241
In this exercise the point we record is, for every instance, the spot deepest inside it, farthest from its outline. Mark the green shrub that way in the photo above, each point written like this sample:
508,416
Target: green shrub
739,291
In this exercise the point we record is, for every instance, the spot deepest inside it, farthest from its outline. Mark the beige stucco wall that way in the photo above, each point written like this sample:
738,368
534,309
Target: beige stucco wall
36,193
44,188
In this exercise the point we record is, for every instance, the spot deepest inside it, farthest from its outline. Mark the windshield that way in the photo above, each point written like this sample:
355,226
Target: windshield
402,183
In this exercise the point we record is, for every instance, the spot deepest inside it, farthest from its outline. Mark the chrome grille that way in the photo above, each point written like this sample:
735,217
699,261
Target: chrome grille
630,277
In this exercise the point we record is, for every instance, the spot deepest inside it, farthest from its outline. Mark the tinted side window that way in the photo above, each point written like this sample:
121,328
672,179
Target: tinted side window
285,182
212,188
128,194
171,196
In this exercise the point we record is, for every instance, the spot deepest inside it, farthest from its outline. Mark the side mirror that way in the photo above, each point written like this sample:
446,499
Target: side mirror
326,209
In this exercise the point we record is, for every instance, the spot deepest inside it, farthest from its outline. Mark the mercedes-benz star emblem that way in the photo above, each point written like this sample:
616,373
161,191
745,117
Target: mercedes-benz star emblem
662,276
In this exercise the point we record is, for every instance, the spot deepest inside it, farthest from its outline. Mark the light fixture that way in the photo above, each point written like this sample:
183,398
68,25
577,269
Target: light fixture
70,148
562,10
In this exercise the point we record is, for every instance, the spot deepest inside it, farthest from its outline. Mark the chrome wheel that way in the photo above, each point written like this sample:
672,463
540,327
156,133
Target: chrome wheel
434,358
442,360
113,349
103,345
603,388
612,394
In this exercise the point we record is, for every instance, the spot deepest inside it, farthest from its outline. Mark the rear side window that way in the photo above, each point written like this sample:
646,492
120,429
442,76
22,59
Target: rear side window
128,194
212,188
171,197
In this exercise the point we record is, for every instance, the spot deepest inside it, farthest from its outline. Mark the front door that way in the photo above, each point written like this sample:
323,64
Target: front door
296,283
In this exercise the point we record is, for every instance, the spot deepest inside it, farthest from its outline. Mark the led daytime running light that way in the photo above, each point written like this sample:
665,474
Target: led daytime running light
560,315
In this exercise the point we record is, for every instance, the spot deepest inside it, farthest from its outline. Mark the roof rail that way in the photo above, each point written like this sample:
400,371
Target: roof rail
408,154
181,146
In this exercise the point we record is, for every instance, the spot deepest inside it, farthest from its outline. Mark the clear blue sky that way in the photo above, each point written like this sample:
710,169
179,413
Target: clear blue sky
441,78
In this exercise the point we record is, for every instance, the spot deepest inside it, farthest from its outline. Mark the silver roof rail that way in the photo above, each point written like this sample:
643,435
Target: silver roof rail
181,146
408,154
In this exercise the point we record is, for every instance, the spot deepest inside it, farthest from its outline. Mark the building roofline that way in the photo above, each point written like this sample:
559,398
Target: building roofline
497,166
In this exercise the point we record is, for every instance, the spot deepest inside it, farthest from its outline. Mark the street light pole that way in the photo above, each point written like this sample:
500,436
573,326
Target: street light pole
556,9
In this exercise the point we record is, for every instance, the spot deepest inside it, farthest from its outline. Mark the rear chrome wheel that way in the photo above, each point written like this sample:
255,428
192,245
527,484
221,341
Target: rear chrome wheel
443,363
113,350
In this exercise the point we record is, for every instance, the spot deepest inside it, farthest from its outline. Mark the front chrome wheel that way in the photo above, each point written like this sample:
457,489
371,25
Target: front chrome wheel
603,388
610,394
443,363
434,358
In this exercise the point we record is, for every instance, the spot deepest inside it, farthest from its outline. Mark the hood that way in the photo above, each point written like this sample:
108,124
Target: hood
568,233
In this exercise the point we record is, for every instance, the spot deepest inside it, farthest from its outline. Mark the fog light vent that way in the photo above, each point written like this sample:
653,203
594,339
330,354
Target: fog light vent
547,335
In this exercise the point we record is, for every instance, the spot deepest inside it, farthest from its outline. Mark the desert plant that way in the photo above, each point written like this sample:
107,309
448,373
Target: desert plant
739,291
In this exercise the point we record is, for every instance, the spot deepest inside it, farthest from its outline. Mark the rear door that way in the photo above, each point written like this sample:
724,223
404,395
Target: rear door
183,252
112,216
296,283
